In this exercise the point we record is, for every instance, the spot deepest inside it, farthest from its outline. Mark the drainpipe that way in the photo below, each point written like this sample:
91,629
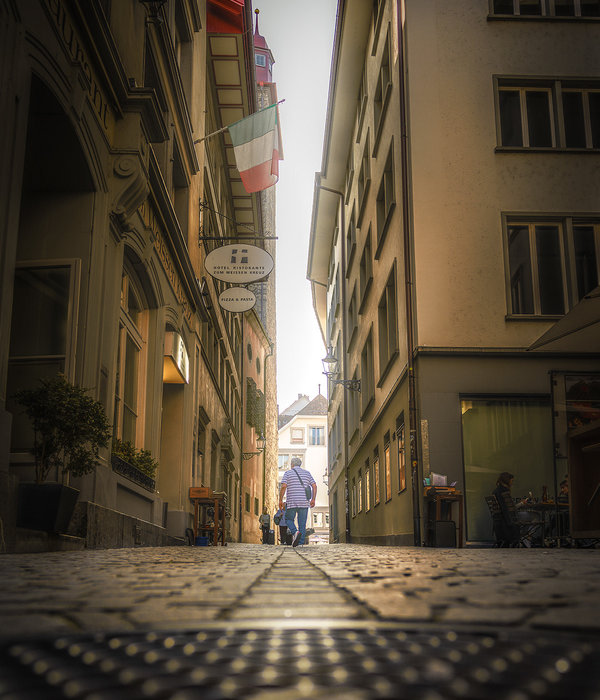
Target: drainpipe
408,280
264,454
242,423
345,345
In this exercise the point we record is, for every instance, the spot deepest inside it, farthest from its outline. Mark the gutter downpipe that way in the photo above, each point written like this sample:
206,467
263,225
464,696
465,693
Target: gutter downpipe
408,279
242,423
264,454
345,345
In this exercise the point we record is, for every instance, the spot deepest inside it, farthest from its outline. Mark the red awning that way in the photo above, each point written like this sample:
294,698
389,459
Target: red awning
225,16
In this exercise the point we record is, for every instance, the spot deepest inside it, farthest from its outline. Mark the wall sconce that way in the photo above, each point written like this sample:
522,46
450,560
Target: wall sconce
330,370
261,443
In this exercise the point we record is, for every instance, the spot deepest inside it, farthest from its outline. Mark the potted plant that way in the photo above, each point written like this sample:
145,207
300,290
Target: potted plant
69,428
138,465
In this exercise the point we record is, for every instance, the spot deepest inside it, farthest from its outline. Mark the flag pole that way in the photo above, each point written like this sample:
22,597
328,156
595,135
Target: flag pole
220,131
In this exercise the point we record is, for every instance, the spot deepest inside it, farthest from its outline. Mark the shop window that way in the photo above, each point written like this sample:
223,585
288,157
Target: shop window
387,467
401,453
367,486
376,494
504,434
40,336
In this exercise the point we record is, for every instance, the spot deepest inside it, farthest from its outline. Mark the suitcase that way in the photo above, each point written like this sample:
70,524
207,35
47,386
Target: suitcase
271,538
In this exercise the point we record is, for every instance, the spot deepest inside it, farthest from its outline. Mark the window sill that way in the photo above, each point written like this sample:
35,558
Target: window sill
387,368
549,149
379,125
539,18
533,317
363,201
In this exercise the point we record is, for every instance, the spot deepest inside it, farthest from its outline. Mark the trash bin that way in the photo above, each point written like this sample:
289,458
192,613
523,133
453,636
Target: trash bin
202,541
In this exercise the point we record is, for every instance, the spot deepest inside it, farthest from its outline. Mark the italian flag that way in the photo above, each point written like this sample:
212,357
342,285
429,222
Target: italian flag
256,149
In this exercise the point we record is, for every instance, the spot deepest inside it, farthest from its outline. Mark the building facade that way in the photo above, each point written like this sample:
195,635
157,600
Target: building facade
454,222
303,433
111,200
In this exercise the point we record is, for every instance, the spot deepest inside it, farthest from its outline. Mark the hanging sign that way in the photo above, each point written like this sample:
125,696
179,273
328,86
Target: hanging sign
237,299
239,264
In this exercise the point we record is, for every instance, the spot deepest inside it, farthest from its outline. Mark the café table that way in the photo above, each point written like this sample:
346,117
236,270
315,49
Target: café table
545,509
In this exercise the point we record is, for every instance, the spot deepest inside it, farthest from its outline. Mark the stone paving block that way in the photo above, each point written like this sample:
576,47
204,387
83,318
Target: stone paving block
20,625
483,615
319,612
101,622
570,617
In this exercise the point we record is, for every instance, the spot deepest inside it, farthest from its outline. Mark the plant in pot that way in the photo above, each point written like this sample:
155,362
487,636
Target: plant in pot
69,428
126,454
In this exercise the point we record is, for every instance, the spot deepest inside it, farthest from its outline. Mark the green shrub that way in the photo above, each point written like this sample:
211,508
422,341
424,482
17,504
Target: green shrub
140,459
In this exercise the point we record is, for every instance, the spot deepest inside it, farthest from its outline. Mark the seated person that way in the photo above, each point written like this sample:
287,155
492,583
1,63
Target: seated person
506,529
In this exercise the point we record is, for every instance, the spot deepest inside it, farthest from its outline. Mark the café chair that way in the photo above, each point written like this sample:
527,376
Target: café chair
527,531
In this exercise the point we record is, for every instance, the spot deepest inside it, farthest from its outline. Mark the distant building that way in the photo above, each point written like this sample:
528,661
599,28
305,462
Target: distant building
303,433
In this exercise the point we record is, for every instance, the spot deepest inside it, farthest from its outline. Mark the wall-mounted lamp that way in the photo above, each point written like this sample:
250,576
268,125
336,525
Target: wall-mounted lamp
261,443
330,370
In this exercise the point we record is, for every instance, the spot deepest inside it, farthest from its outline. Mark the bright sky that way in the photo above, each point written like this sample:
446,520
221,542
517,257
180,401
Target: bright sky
300,36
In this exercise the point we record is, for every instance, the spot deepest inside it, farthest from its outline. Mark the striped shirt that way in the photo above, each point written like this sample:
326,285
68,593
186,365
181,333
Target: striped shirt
294,494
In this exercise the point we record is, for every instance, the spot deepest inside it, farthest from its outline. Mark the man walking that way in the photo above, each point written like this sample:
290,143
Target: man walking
299,490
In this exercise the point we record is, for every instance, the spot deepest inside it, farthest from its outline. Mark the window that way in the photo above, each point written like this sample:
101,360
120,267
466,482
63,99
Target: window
367,486
354,498
581,116
529,114
261,60
388,325
352,315
40,336
539,273
364,179
316,435
586,241
376,495
366,270
247,501
353,398
362,104
504,434
367,373
386,201
360,491
387,466
297,435
525,117
401,453
130,345
383,89
350,242
547,8
256,506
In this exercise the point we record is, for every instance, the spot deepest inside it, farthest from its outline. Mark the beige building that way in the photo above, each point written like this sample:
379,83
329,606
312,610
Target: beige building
109,204
455,221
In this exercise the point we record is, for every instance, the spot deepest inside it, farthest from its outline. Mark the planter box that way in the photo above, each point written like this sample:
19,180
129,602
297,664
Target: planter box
46,507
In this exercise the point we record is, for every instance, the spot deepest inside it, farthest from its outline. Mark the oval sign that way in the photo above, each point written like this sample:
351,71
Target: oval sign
238,263
237,299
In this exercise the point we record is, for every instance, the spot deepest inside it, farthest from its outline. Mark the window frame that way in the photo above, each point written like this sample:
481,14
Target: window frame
555,88
567,224
548,11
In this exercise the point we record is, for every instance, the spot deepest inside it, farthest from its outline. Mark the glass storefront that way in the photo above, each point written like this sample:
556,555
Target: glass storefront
512,435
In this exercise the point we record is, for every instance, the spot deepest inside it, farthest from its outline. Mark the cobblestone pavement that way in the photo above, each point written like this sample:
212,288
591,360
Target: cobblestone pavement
253,621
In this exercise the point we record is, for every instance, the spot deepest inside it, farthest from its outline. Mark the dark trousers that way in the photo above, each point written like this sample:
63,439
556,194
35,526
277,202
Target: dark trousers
265,535
283,534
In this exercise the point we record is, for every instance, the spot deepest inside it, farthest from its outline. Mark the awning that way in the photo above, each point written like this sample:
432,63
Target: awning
225,16
576,331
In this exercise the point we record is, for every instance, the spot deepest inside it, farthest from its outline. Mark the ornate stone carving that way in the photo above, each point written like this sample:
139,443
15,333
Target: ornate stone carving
133,192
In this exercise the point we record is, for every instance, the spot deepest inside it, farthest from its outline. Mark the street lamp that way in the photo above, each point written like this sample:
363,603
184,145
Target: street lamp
330,370
261,443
